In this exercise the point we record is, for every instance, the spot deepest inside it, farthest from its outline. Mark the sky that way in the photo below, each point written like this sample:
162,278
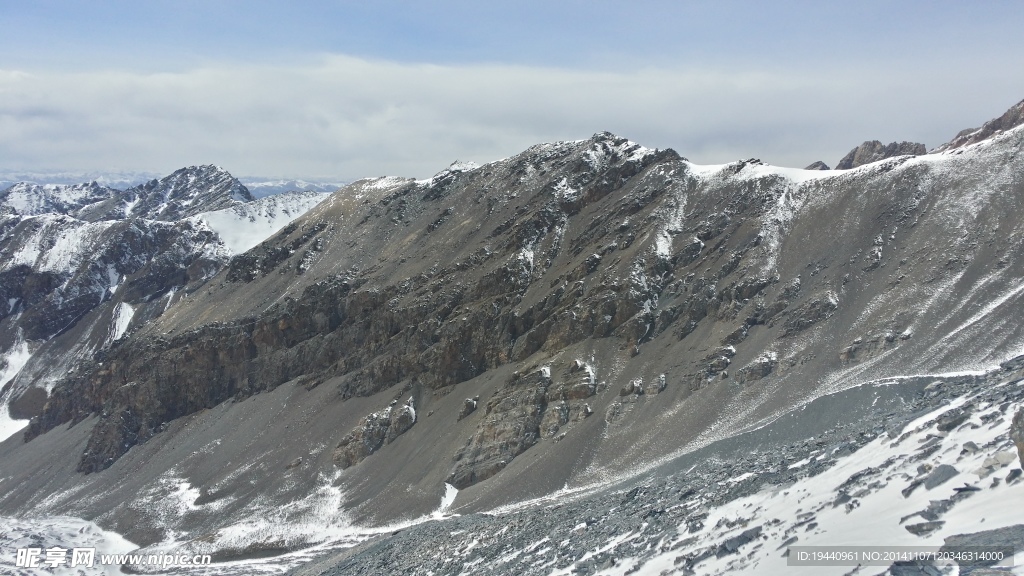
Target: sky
339,90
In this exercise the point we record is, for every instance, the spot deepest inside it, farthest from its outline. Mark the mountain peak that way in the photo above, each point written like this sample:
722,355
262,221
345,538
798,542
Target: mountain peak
873,151
186,192
1010,119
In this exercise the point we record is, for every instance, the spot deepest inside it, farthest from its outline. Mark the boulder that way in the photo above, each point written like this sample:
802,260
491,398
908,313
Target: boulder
940,475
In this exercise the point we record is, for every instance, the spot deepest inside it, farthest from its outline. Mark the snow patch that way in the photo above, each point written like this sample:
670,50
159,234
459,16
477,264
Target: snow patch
243,226
119,323
450,492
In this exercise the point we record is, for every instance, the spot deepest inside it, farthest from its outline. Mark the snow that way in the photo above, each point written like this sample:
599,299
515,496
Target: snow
876,521
384,182
754,171
989,308
64,532
16,358
243,226
450,492
122,317
58,244
565,192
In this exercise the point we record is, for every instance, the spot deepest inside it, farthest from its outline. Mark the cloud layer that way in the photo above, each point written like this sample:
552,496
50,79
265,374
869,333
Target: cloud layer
346,117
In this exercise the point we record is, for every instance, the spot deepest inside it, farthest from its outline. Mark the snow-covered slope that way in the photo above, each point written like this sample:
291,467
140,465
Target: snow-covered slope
28,199
243,226
262,187
82,265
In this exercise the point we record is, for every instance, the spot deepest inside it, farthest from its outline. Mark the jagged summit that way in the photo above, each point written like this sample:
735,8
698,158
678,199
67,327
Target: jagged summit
1010,119
186,192
873,151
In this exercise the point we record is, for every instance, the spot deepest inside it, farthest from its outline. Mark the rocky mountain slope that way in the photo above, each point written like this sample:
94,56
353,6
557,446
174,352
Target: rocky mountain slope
554,323
82,265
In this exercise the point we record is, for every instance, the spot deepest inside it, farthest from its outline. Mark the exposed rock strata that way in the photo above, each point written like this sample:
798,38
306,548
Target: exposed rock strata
1010,119
873,151
439,282
373,432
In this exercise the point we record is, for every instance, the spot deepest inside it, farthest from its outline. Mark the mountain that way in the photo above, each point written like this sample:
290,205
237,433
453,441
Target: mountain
83,265
262,187
27,199
1009,120
243,226
117,180
873,151
589,357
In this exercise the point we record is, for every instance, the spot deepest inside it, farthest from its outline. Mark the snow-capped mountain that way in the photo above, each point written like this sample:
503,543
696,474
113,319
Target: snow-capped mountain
27,199
109,179
82,265
591,357
187,192
263,187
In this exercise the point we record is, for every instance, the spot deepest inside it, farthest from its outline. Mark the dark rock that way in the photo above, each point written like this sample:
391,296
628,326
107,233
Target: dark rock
373,432
873,151
1009,538
1013,475
911,487
732,545
951,420
788,542
1015,363
942,473
468,407
924,528
819,165
966,488
913,568
1010,119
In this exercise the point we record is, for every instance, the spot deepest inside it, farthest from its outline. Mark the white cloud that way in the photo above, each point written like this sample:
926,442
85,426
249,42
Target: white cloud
348,117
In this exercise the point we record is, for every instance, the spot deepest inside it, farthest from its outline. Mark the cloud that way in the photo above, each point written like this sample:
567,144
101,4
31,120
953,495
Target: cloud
346,117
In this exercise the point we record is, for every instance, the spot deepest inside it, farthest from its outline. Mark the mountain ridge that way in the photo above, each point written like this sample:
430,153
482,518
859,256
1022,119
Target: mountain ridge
577,312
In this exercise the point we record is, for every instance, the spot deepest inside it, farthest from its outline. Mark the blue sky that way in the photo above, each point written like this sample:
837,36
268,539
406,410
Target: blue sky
349,89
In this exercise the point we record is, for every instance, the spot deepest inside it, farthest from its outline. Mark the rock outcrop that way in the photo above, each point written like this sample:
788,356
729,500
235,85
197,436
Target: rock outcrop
373,432
819,165
873,151
1010,119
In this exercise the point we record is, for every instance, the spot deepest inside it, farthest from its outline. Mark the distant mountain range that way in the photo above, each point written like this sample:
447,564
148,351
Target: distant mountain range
258,186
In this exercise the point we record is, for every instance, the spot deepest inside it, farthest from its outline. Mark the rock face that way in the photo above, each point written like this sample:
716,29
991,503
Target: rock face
1017,434
439,282
873,151
1010,119
187,192
681,304
819,165
373,432
82,266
